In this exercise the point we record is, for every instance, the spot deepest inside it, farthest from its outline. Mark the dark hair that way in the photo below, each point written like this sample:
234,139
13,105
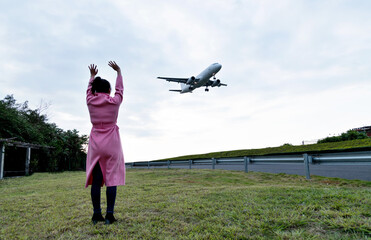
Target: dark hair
100,85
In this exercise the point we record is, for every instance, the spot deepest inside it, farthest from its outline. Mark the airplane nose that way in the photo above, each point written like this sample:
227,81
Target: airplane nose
219,66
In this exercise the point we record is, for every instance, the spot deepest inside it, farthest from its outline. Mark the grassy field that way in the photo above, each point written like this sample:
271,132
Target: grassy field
188,204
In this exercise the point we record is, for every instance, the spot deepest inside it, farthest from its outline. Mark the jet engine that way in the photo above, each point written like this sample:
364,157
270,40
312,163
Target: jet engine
191,80
187,88
216,83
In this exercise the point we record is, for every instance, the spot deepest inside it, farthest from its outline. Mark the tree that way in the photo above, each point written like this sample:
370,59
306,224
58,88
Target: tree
27,125
349,135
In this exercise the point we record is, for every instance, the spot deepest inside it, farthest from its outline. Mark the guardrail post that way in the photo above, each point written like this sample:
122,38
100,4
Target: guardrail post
168,164
246,161
2,154
214,162
306,165
190,164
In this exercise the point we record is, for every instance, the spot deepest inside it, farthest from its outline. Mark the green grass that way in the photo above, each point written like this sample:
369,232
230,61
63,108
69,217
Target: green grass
188,204
352,145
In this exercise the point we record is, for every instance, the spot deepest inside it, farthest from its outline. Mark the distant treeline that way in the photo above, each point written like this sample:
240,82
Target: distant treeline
26,125
349,135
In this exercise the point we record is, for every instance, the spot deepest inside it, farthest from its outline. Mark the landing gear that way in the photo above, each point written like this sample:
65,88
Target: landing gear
206,89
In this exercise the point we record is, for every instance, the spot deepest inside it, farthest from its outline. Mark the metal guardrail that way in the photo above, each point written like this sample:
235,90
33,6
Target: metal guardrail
343,158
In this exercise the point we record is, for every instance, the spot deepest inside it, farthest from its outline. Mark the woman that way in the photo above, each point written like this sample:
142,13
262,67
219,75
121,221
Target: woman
105,160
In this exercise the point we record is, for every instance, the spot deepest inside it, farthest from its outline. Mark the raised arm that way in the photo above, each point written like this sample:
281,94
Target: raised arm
93,72
115,67
119,84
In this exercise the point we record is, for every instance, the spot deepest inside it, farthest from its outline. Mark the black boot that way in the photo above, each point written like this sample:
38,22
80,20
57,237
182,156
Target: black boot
97,217
110,218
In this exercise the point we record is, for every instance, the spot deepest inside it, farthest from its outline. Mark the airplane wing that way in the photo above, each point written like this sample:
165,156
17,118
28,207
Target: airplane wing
178,80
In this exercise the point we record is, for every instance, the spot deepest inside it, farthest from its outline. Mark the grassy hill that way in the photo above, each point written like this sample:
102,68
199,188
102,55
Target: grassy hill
352,145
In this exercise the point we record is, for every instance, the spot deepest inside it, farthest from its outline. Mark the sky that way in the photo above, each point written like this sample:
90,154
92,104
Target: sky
297,70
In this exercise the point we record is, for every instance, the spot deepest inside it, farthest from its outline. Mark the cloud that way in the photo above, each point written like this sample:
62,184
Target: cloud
292,68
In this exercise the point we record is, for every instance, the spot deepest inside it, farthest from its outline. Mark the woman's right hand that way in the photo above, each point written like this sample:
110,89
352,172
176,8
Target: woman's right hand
114,65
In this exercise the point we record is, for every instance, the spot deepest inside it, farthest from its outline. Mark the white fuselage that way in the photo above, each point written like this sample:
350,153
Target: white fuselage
202,78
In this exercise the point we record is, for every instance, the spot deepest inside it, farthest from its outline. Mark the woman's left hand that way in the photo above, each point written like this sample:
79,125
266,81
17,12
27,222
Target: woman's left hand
93,70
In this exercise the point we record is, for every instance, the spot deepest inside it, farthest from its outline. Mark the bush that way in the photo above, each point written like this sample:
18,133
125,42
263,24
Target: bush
349,135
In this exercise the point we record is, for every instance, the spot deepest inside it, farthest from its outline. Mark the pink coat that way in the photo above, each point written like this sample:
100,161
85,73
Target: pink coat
104,141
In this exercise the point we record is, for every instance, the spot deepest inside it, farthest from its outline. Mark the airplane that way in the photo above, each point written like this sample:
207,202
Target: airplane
201,80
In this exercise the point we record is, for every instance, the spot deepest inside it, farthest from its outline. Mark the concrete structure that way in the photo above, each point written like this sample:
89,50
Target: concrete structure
366,129
10,142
